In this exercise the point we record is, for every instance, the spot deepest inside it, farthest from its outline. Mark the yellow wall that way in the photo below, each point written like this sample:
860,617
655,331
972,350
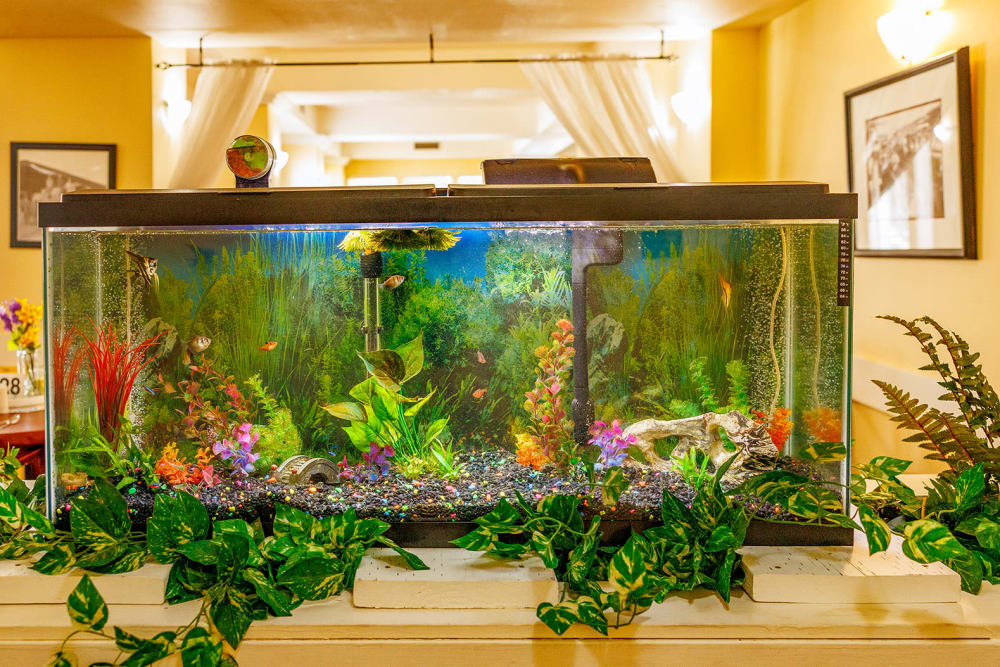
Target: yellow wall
70,90
812,55
737,103
402,168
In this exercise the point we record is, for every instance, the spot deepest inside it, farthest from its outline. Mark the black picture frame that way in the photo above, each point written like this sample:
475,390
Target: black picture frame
965,163
16,148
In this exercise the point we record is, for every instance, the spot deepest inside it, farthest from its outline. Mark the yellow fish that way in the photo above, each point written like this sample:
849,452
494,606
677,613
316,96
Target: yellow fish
480,358
479,393
268,346
727,290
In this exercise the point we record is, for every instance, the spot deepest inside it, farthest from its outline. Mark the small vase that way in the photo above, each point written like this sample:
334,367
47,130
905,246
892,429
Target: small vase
32,385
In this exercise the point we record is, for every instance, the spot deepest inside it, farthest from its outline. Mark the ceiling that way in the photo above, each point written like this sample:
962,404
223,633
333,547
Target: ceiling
312,23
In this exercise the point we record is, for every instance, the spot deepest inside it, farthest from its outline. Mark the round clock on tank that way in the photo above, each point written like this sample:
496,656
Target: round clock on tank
250,159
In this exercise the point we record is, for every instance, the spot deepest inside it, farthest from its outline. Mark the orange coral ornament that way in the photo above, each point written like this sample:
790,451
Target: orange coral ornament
823,424
778,426
529,453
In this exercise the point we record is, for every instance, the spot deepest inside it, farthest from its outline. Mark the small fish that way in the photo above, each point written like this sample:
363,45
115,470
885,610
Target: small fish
167,387
151,392
727,290
480,358
196,345
268,346
392,282
479,393
145,268
74,480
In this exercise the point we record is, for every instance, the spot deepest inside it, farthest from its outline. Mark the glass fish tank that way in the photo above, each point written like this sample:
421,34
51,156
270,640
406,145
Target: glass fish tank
417,354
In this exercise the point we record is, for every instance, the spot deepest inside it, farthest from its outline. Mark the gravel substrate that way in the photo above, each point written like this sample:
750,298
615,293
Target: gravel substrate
487,477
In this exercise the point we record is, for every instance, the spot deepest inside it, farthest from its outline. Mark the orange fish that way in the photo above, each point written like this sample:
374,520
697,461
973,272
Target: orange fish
268,346
480,358
392,282
479,393
727,290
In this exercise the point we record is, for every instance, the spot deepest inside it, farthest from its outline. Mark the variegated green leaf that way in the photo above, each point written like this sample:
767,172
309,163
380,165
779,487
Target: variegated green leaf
501,519
969,488
927,541
86,606
558,617
58,560
312,578
824,452
614,484
875,528
627,572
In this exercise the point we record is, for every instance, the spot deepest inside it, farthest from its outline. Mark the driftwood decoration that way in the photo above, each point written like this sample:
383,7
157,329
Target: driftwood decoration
756,452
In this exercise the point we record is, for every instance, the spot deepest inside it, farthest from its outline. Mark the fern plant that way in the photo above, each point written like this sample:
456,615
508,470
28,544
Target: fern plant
963,439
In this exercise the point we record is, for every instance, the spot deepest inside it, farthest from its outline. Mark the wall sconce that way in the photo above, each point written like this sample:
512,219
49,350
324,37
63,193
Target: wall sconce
175,112
913,29
691,106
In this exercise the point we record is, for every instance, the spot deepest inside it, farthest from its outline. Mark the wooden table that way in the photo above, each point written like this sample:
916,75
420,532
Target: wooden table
28,435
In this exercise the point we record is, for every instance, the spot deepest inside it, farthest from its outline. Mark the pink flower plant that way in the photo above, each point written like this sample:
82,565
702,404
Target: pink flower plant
239,449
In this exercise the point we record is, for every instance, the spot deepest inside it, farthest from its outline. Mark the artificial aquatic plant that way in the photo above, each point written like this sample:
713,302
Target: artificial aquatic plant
382,415
550,429
114,366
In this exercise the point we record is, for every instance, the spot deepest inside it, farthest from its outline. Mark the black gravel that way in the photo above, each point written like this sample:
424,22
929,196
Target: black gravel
487,477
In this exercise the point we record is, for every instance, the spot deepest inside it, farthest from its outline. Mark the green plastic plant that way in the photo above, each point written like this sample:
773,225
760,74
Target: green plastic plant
448,464
692,466
238,574
279,437
695,547
381,414
122,459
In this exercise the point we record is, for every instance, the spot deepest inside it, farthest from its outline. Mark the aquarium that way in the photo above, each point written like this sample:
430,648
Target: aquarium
418,354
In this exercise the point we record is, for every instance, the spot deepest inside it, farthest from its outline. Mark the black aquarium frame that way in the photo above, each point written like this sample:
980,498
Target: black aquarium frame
561,205
636,204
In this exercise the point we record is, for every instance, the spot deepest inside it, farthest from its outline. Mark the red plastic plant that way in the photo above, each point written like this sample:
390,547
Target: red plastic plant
113,367
550,425
66,361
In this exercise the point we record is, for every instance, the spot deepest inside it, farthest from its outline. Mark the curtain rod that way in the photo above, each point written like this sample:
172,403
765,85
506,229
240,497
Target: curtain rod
431,60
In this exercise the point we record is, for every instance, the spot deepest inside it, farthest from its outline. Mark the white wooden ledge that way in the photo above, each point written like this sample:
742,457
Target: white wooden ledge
690,627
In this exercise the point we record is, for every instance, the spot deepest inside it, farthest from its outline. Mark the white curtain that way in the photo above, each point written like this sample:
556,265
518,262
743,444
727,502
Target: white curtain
607,107
225,99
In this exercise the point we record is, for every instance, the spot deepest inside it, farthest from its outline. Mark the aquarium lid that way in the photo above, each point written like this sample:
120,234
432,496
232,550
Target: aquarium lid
619,204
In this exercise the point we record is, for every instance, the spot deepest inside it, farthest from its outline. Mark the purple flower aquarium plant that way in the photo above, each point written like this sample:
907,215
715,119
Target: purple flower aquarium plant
613,443
377,460
238,449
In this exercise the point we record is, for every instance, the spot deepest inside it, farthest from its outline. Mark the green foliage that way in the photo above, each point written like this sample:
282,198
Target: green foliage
279,437
695,547
448,465
239,574
87,450
692,466
380,414
960,440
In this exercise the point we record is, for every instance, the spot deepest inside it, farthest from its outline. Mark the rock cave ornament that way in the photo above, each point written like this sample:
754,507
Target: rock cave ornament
755,452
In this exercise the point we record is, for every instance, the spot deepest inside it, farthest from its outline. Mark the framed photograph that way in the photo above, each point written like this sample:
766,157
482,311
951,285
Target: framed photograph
43,172
909,158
